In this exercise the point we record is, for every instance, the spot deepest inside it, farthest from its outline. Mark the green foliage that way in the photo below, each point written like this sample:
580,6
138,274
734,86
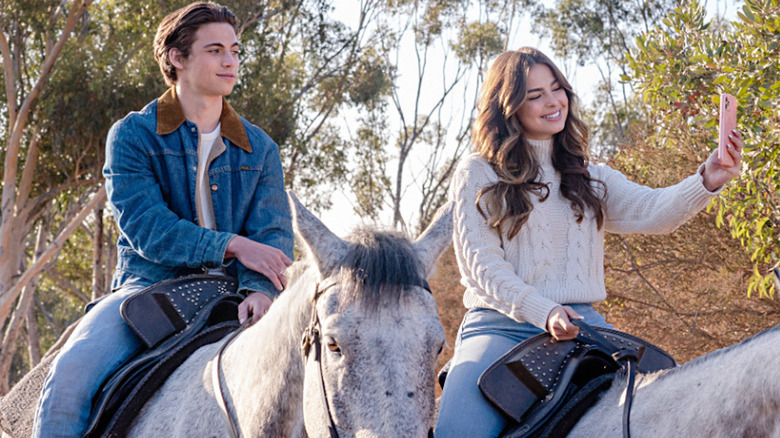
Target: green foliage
599,33
479,41
371,82
680,68
369,178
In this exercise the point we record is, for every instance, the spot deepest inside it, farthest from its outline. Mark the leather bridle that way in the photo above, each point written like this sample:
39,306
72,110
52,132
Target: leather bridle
311,337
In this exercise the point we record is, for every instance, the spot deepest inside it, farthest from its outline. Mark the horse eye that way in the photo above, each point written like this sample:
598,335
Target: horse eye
334,347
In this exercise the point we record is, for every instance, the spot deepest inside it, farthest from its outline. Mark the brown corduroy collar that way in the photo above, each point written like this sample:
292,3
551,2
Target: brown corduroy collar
170,116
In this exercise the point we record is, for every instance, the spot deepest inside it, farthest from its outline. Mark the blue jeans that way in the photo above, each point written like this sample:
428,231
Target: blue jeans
484,336
100,344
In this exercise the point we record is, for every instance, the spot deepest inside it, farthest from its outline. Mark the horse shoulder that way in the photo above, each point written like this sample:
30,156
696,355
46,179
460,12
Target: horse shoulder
184,406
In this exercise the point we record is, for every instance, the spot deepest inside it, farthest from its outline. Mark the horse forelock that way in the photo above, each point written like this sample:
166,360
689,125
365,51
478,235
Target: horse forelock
378,269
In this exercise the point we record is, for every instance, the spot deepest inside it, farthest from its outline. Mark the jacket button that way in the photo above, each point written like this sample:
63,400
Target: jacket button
214,187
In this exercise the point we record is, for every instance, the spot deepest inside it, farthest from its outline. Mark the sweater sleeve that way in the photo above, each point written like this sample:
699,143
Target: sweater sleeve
634,208
481,259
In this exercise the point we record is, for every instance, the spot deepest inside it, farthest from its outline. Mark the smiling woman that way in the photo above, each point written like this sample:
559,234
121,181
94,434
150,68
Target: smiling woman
546,107
530,216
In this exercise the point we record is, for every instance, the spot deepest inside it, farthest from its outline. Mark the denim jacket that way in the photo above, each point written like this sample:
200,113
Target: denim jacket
150,170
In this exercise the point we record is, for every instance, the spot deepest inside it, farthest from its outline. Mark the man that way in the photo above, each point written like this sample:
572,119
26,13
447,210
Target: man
193,187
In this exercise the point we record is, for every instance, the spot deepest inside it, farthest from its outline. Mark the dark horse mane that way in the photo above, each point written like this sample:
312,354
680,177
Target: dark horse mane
378,268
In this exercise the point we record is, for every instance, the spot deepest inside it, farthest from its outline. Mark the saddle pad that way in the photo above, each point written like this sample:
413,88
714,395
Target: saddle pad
155,365
17,408
119,424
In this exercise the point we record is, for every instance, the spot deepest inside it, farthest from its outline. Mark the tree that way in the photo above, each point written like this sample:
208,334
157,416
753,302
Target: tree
31,44
433,53
686,290
680,68
73,68
600,33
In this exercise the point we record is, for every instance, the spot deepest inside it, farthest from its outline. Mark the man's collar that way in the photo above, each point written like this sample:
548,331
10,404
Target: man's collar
170,116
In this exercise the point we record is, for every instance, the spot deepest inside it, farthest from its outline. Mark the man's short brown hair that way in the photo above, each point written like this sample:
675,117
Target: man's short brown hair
177,30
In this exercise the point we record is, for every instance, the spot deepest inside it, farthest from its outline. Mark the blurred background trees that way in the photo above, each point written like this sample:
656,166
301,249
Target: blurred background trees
377,100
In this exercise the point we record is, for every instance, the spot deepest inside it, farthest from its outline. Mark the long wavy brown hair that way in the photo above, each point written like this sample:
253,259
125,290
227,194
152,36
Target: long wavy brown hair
498,136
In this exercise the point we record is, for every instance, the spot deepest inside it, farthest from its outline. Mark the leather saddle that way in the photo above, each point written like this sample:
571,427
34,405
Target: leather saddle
544,386
173,318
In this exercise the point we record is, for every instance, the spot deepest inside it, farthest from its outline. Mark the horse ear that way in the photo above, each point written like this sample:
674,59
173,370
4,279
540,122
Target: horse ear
326,248
430,244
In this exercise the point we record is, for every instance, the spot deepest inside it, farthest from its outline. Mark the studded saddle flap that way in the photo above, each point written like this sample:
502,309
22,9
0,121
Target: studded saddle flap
168,307
538,375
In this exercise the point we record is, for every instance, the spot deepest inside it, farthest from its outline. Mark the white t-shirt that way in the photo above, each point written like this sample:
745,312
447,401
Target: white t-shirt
207,141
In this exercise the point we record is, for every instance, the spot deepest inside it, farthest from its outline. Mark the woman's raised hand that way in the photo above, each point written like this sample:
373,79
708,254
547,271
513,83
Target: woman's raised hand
715,173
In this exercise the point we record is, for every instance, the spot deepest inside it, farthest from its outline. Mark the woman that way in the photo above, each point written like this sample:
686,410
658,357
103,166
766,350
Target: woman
530,217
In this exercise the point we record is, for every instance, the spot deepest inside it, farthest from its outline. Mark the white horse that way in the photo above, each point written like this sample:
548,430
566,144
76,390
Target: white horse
380,334
733,392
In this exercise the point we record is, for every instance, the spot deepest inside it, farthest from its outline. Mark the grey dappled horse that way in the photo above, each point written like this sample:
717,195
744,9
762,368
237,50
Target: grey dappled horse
380,333
733,392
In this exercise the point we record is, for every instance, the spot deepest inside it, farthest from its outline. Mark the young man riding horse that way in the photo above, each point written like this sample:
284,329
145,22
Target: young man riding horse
194,188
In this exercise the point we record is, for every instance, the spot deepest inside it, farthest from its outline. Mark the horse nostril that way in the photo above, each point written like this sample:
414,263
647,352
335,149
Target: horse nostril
410,394
389,394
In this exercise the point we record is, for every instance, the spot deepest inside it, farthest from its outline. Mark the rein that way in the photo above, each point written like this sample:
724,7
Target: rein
311,336
627,357
220,389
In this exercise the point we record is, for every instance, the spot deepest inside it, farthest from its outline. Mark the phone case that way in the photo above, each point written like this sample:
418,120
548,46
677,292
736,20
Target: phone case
728,122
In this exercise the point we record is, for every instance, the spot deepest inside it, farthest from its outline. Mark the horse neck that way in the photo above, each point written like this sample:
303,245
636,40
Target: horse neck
264,365
731,392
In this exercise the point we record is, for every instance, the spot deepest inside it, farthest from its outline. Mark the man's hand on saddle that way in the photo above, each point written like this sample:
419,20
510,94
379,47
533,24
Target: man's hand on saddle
261,258
559,323
256,304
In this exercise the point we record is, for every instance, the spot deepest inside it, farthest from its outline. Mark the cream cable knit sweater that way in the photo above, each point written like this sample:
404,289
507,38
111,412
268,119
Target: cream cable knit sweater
553,259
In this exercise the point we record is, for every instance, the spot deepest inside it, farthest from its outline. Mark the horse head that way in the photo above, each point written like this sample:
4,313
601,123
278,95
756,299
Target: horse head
374,333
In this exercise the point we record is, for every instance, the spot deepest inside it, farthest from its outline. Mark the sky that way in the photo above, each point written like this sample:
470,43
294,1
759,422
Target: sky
341,219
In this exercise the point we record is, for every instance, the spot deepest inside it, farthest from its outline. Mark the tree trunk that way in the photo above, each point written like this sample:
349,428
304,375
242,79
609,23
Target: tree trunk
33,338
19,316
12,333
11,224
52,249
97,255
110,257
10,259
